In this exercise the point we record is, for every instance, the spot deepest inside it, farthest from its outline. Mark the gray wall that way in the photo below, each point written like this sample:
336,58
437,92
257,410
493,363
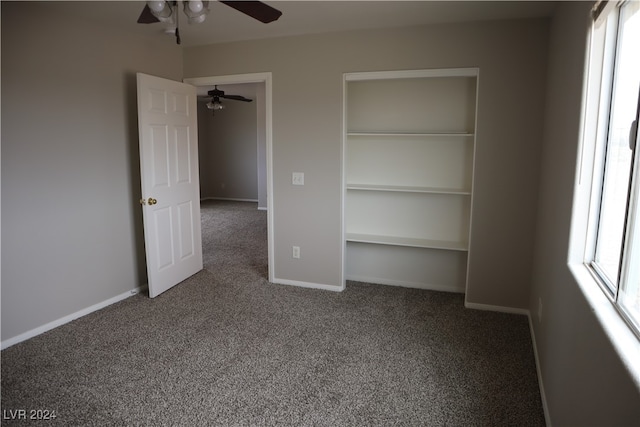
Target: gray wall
71,223
71,227
307,132
584,380
228,149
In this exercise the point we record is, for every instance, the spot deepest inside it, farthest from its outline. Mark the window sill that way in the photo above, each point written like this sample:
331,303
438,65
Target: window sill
626,344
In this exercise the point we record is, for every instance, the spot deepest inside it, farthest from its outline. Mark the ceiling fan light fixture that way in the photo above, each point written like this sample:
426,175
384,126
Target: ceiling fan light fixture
215,104
161,10
196,19
196,11
195,6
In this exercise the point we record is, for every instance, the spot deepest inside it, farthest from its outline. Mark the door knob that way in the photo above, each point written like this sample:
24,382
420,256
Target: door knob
150,202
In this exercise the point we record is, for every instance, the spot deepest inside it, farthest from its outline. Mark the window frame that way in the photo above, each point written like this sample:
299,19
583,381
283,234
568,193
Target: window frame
601,74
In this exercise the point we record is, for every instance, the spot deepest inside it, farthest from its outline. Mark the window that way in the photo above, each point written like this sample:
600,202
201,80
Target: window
613,249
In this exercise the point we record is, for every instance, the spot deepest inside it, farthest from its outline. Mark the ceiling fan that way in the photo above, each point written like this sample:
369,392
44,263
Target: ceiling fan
196,12
215,103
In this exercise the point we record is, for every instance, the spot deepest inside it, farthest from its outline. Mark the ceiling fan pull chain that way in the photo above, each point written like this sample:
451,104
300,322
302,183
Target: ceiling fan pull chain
177,23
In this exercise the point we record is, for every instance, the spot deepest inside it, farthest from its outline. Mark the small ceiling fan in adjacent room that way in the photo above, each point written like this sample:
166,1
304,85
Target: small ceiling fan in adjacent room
216,94
197,10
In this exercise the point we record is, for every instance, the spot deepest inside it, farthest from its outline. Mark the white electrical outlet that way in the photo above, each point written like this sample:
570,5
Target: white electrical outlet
297,178
296,252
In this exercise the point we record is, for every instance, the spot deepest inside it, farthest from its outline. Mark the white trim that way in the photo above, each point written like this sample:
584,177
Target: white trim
343,190
267,79
309,285
496,308
473,180
229,199
66,319
543,396
397,74
408,74
228,79
403,284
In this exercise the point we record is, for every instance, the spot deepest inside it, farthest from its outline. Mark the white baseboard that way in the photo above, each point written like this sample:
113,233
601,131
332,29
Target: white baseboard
230,199
66,319
543,397
498,308
402,284
260,208
308,285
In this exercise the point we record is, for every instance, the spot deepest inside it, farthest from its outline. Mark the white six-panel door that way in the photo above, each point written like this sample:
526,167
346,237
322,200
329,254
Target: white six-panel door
167,124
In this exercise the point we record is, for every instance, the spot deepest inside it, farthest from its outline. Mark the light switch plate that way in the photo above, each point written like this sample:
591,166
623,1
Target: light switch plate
297,178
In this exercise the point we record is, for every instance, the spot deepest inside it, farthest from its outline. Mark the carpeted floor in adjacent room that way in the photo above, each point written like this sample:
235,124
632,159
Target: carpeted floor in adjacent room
226,348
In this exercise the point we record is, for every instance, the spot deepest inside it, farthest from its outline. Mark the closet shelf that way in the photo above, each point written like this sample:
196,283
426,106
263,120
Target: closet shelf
408,189
408,176
406,241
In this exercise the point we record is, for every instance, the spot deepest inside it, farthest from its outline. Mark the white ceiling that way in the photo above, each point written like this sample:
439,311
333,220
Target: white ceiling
224,24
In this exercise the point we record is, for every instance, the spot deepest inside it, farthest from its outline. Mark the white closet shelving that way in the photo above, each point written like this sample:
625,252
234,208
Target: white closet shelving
409,150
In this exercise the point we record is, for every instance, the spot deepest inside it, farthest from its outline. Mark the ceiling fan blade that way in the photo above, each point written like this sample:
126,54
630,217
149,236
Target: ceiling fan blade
236,98
255,9
146,17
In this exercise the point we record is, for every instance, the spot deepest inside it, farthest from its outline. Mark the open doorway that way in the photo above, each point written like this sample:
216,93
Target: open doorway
238,170
232,144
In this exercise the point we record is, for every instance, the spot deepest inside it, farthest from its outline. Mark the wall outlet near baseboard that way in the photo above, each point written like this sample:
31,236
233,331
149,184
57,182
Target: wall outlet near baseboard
296,252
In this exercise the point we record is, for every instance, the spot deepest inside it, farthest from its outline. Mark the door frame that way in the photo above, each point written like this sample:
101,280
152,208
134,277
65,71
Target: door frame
265,78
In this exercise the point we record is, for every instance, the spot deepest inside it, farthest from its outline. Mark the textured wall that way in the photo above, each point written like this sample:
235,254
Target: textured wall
585,382
307,137
71,222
